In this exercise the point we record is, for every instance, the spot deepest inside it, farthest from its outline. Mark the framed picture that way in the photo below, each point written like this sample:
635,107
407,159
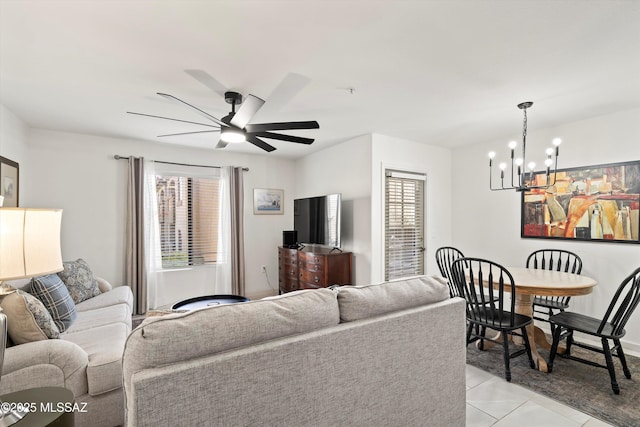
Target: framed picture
593,203
9,182
267,201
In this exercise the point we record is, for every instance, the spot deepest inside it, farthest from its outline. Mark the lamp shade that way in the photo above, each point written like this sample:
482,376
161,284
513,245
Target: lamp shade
29,242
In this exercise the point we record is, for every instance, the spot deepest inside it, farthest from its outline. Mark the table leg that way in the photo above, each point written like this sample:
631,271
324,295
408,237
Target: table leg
524,306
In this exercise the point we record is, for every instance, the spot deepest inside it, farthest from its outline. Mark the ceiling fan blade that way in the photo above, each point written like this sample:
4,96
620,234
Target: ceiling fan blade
206,79
248,108
221,144
175,120
290,138
260,143
188,133
261,127
289,87
203,113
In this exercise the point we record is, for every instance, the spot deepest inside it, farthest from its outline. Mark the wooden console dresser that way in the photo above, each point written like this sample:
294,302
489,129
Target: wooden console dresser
312,268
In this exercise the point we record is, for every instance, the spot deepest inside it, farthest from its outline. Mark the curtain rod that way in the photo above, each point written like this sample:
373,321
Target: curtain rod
118,157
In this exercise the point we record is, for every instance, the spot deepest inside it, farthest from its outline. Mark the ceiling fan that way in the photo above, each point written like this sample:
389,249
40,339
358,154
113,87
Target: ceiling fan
235,127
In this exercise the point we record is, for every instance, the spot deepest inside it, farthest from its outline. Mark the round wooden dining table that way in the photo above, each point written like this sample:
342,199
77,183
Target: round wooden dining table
530,282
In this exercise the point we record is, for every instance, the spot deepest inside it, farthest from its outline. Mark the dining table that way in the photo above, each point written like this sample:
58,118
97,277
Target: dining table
530,282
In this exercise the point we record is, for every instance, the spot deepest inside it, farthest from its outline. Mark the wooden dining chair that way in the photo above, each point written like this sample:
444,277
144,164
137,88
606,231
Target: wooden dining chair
610,327
445,256
558,260
491,307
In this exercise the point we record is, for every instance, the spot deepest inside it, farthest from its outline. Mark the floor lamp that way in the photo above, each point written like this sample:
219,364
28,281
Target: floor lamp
29,246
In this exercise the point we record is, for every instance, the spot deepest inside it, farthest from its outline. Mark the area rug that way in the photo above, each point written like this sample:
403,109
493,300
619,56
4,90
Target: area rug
583,387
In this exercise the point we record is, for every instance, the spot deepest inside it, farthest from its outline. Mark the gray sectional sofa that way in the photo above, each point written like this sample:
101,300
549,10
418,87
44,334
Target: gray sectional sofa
86,359
377,355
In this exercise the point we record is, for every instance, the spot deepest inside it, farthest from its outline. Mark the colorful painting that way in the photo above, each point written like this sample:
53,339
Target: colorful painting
593,203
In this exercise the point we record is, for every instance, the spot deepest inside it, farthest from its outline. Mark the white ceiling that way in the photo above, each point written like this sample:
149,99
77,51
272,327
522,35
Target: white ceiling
446,73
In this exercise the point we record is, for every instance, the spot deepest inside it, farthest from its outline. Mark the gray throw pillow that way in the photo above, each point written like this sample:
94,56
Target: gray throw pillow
53,294
78,278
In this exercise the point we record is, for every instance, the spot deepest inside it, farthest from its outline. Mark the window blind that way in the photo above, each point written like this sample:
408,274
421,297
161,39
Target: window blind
188,213
404,224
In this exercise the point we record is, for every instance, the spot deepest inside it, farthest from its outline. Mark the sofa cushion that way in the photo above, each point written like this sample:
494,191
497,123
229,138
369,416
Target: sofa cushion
117,295
104,346
27,318
79,280
52,292
359,302
117,313
165,339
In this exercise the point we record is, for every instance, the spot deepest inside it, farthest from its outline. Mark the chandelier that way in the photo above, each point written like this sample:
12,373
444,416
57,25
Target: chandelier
522,180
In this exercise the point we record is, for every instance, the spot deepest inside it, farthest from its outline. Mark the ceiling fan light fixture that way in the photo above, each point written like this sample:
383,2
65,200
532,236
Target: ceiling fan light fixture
232,136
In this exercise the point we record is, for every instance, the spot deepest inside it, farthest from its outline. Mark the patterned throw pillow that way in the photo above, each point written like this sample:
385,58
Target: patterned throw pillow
78,278
52,292
27,318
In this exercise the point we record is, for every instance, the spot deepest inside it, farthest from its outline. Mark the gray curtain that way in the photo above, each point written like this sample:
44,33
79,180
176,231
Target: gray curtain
136,276
237,231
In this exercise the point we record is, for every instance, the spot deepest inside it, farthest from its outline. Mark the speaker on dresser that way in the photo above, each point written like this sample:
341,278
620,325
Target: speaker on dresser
290,239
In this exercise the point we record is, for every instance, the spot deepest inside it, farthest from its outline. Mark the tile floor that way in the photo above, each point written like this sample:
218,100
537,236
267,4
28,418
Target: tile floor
492,401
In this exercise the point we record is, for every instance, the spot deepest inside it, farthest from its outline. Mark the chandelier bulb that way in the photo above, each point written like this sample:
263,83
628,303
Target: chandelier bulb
531,166
548,162
519,161
503,166
549,151
512,144
556,141
492,154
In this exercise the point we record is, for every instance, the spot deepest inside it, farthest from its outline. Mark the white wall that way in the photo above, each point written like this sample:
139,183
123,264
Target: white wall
344,168
79,174
435,162
487,223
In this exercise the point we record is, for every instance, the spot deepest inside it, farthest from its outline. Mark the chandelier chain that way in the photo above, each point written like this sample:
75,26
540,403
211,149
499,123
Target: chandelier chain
524,126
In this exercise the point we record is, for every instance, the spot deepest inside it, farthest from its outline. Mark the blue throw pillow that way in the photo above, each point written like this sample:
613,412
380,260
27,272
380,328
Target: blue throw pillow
56,298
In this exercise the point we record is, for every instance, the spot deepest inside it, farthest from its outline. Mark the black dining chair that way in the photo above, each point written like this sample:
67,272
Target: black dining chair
610,327
557,260
492,306
445,256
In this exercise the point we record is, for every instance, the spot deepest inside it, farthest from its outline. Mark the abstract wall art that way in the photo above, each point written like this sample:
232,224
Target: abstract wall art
592,203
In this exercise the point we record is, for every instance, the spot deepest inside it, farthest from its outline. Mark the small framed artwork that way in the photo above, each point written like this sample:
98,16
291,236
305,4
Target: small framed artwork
9,183
598,203
268,201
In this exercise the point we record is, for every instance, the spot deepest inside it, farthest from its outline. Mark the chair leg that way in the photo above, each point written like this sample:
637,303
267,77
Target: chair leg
527,347
567,352
552,325
623,360
554,348
483,332
469,329
507,357
610,367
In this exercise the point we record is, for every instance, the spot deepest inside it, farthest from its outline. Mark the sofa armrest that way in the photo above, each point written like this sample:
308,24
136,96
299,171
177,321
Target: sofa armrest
43,363
103,284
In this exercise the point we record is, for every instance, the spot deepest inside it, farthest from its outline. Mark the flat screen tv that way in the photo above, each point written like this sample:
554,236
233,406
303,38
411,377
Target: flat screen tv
317,220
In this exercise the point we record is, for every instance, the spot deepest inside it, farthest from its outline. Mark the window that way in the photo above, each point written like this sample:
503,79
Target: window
404,224
188,212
